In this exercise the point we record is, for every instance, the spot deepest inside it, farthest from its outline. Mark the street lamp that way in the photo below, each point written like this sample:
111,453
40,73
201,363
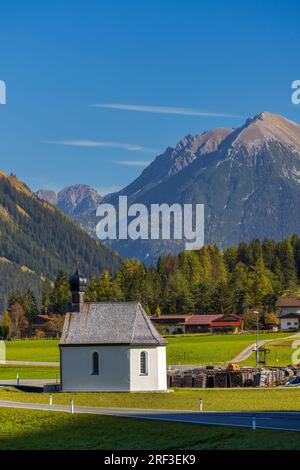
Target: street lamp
257,314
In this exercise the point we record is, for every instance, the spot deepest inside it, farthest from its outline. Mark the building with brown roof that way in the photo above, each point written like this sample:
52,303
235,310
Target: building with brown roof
215,323
287,305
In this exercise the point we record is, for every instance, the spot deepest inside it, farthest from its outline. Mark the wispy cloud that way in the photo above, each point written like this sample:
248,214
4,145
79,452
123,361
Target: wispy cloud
163,110
103,144
139,163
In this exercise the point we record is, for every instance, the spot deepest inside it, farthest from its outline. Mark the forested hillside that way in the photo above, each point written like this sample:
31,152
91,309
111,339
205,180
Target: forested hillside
13,276
241,278
37,237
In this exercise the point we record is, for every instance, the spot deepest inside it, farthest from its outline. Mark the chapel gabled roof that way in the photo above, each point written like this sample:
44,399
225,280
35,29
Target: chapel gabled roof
110,323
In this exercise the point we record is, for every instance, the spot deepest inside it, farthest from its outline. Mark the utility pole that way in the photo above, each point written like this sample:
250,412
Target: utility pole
256,350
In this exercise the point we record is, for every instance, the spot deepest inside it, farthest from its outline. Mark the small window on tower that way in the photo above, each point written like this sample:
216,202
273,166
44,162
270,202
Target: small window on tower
95,363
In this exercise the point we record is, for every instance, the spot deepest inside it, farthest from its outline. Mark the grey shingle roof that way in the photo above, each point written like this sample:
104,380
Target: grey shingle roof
110,323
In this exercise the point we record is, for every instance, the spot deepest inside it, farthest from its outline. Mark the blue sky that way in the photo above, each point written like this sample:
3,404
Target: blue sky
150,63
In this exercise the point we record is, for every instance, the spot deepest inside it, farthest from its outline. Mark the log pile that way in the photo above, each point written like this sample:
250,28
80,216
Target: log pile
201,377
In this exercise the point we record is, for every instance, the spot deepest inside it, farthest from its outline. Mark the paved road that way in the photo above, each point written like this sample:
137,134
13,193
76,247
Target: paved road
287,421
243,355
30,363
29,382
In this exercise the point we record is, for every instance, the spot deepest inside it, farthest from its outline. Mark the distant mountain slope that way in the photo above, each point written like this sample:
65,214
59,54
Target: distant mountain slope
79,202
249,181
248,178
48,195
172,162
79,199
37,235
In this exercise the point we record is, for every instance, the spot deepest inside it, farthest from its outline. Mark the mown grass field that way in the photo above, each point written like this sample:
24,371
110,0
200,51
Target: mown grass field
8,372
37,350
245,399
33,430
197,349
181,349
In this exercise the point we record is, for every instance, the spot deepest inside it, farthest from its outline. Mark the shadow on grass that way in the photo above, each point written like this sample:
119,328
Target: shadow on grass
24,429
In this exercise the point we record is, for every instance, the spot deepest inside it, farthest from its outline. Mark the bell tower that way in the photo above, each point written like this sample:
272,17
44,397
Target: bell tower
78,285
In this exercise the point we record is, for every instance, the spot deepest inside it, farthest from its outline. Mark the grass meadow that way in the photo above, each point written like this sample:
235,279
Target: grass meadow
35,430
181,349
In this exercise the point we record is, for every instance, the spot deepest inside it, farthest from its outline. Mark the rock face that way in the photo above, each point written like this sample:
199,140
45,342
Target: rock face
48,195
174,160
79,199
248,178
79,202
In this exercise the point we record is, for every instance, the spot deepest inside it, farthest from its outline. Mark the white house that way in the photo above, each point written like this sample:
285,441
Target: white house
110,346
287,305
290,322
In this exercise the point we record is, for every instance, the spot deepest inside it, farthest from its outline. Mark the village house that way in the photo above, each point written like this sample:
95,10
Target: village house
183,324
110,346
286,305
41,322
290,322
288,311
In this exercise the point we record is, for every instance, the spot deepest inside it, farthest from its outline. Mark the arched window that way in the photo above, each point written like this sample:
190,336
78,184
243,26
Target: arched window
143,363
95,363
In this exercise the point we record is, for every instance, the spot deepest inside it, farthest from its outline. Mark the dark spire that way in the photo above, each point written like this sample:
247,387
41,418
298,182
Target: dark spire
78,286
77,282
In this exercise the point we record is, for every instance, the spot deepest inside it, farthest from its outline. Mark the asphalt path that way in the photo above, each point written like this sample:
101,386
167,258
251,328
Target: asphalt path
30,363
26,382
246,353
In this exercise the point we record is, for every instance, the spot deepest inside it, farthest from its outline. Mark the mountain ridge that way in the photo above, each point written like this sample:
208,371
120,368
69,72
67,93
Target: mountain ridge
246,177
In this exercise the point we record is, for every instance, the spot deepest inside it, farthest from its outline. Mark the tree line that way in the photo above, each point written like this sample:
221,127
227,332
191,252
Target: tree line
239,279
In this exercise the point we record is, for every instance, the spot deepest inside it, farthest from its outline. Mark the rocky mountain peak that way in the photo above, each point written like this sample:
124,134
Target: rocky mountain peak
187,141
266,127
78,199
73,200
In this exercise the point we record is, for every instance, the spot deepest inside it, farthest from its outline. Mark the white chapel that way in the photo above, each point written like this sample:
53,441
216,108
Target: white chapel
110,346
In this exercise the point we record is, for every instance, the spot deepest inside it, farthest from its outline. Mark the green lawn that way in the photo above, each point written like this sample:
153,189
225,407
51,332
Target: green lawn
181,349
28,372
245,399
25,429
37,350
197,349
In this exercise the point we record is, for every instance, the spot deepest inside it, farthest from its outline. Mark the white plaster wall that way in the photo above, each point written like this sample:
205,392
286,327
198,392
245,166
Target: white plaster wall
294,323
287,310
156,379
76,367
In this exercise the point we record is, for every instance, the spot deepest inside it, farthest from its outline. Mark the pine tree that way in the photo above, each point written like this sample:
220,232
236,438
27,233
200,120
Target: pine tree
46,294
288,265
29,305
261,285
92,292
105,287
61,295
